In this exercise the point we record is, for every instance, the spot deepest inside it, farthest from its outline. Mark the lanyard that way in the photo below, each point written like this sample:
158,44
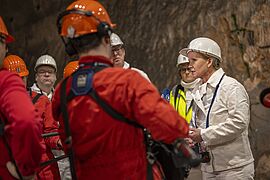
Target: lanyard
212,102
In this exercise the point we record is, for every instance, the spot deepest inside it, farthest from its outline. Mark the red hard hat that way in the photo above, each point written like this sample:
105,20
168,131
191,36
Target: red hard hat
4,32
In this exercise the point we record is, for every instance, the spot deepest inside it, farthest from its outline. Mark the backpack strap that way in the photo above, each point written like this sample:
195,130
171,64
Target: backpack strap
109,110
35,99
2,128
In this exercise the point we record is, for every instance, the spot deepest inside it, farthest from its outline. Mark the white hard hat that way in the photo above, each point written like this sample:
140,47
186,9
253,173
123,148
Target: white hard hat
181,60
115,40
203,45
46,60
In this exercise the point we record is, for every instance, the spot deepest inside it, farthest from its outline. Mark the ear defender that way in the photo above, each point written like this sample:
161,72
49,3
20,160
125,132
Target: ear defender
103,29
70,50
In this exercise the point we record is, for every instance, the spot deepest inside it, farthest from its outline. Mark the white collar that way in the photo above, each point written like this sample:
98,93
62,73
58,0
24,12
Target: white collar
192,84
126,65
38,90
215,77
212,81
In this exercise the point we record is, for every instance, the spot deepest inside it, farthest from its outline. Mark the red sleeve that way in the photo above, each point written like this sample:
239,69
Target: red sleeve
56,111
23,128
137,99
49,124
153,112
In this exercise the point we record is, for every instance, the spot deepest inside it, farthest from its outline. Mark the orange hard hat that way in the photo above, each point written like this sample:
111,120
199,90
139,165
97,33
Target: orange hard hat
82,17
15,64
70,68
4,32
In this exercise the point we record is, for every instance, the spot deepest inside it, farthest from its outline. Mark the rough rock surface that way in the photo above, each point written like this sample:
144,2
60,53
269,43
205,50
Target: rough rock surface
154,32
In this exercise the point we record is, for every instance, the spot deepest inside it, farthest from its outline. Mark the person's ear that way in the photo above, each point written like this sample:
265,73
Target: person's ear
55,78
106,40
36,77
209,62
124,51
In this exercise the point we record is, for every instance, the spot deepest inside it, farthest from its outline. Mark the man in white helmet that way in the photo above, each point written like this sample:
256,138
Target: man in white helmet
45,77
118,55
223,115
46,69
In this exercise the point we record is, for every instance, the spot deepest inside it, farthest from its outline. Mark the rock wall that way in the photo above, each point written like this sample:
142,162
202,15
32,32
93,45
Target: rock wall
154,31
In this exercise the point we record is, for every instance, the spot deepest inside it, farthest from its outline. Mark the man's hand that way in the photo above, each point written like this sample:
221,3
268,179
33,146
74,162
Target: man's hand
12,170
190,142
59,144
195,135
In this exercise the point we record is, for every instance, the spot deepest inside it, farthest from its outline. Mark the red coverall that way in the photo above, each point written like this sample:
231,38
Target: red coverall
43,106
106,148
22,129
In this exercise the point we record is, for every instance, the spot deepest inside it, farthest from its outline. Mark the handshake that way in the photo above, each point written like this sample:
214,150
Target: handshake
186,155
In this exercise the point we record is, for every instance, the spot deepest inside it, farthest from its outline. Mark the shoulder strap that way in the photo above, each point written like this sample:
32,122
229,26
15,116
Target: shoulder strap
29,90
177,88
2,128
35,99
109,110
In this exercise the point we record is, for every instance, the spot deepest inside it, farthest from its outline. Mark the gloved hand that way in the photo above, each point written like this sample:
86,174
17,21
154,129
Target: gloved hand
12,170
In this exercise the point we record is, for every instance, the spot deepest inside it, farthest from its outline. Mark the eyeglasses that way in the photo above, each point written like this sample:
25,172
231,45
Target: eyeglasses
117,50
43,72
185,69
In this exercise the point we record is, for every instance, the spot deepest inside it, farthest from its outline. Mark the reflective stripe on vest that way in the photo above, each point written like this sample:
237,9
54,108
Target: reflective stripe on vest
180,105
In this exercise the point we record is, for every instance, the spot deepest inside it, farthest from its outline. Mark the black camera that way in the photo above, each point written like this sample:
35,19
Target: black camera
204,155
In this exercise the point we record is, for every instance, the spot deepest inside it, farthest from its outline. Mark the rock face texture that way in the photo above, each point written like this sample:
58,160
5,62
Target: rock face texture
154,32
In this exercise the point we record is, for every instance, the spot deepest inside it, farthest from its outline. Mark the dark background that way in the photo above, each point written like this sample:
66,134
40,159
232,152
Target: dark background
153,32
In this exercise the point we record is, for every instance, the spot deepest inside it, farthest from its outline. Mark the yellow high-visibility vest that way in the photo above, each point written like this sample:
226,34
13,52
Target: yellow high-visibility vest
178,101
